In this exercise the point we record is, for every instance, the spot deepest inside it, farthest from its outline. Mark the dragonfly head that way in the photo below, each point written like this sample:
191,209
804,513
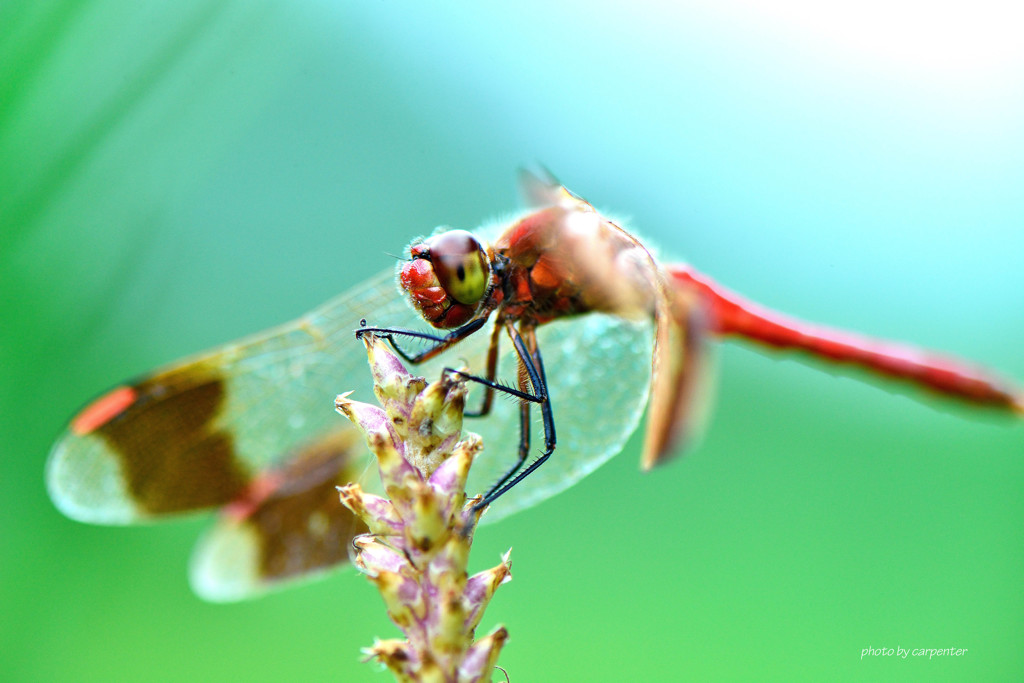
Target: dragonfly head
448,278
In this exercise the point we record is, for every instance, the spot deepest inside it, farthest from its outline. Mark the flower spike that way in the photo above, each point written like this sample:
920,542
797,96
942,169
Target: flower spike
418,547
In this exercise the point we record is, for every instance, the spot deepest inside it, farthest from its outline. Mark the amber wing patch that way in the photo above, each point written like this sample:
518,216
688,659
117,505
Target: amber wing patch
172,456
289,524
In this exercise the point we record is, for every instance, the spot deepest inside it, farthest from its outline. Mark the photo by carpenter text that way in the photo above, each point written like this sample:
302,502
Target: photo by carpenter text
903,652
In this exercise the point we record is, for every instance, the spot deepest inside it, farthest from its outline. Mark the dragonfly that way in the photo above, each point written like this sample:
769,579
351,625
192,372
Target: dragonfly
601,332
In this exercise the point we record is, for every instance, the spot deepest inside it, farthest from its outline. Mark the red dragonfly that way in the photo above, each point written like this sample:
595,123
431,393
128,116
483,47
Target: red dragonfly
249,427
565,260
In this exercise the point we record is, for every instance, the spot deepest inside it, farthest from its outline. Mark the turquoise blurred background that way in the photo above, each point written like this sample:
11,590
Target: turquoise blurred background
175,175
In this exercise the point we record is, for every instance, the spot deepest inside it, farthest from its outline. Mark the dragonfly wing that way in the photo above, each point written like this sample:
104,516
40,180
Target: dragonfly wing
205,432
195,434
295,527
599,371
596,355
542,190
235,426
681,374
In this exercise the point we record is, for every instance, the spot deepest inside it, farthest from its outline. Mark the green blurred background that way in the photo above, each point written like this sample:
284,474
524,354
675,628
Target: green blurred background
175,175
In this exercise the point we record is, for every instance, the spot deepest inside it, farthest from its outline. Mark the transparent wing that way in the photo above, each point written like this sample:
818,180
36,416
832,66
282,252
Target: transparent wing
199,430
599,374
279,388
598,369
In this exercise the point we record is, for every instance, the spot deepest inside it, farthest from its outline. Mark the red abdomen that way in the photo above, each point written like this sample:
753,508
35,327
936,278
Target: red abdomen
732,315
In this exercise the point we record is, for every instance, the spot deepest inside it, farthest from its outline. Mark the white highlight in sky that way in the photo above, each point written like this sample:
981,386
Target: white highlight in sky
952,38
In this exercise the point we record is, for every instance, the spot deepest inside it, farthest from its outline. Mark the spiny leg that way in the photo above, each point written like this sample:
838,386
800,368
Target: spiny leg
534,367
440,343
492,371
524,435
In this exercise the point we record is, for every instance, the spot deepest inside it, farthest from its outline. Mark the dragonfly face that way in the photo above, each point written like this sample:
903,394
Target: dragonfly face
449,278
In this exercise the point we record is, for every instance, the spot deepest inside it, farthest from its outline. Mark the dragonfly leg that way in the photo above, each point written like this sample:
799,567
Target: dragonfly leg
439,343
492,371
495,386
534,367
524,452
524,419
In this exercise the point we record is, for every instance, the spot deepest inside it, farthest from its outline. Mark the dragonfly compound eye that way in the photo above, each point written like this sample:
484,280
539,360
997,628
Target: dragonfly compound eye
460,264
